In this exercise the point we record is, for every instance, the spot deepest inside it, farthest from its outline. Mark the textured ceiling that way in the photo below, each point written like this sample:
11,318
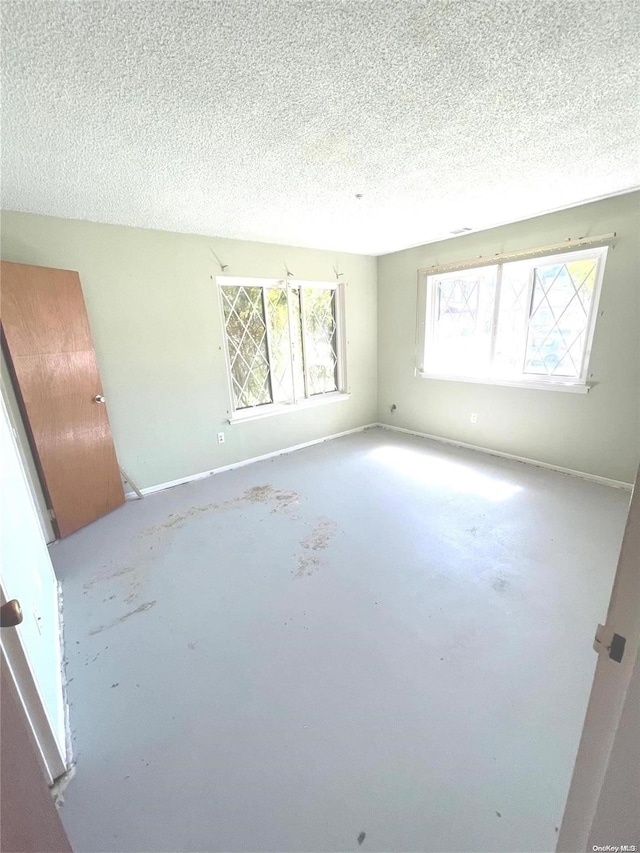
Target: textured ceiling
262,119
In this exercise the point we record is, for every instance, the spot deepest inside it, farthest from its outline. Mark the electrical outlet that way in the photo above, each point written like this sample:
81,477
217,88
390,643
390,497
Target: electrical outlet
474,418
220,438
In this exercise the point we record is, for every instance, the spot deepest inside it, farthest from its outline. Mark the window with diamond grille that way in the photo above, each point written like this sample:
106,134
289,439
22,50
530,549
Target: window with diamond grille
560,309
282,341
247,343
520,321
321,354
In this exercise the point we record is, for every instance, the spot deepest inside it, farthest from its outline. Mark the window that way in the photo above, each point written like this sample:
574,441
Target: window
527,322
285,343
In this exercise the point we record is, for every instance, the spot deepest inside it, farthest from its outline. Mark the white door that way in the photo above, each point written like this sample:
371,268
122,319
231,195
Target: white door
31,651
617,657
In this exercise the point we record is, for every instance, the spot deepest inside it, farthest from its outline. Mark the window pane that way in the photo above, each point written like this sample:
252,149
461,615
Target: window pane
247,342
320,340
512,319
562,294
460,341
296,330
278,319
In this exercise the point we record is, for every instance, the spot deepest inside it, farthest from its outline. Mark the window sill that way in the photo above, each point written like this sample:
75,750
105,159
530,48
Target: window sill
260,412
571,387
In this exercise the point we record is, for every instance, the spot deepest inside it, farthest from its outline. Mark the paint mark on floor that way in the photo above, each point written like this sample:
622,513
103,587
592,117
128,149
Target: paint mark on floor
126,573
317,540
282,499
121,571
498,813
320,535
500,584
361,838
307,566
145,555
134,592
177,519
141,609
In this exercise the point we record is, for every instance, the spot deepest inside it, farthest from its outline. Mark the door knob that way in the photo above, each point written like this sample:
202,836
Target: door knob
99,398
10,614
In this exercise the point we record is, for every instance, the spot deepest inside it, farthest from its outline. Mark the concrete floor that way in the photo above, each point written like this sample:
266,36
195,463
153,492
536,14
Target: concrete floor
379,643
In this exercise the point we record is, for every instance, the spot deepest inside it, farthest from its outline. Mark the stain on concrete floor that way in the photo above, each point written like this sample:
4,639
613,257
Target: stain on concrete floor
501,583
135,572
281,498
306,566
317,540
141,609
320,536
120,571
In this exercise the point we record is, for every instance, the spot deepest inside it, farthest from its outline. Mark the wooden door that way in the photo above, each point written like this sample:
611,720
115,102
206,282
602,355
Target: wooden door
50,353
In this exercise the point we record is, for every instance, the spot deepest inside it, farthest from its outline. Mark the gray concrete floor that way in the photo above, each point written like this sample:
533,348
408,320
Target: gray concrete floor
379,643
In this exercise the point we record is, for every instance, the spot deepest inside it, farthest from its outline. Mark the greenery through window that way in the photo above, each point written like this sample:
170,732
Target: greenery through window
520,321
282,341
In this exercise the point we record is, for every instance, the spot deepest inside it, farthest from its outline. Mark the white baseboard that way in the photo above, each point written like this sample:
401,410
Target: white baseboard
149,490
162,486
617,484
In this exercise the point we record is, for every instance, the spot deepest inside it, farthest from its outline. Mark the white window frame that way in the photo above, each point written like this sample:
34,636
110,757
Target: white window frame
427,313
301,402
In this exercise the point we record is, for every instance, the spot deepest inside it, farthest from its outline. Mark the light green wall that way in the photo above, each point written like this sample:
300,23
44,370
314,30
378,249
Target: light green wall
158,334
598,433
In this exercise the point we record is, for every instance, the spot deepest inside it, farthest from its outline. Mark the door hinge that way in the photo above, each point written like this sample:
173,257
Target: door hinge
606,640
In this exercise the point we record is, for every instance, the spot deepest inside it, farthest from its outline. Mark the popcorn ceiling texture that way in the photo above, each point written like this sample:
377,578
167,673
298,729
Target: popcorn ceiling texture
262,120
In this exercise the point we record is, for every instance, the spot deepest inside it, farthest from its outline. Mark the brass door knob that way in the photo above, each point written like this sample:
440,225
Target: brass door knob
99,398
10,614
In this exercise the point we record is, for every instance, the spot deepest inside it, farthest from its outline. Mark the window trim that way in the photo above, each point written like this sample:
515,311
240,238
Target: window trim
256,413
572,387
426,319
251,413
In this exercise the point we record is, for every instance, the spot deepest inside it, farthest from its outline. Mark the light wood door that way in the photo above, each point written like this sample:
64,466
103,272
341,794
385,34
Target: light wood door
50,352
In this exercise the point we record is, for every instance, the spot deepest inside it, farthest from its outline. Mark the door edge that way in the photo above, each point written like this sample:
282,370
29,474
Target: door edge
18,669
